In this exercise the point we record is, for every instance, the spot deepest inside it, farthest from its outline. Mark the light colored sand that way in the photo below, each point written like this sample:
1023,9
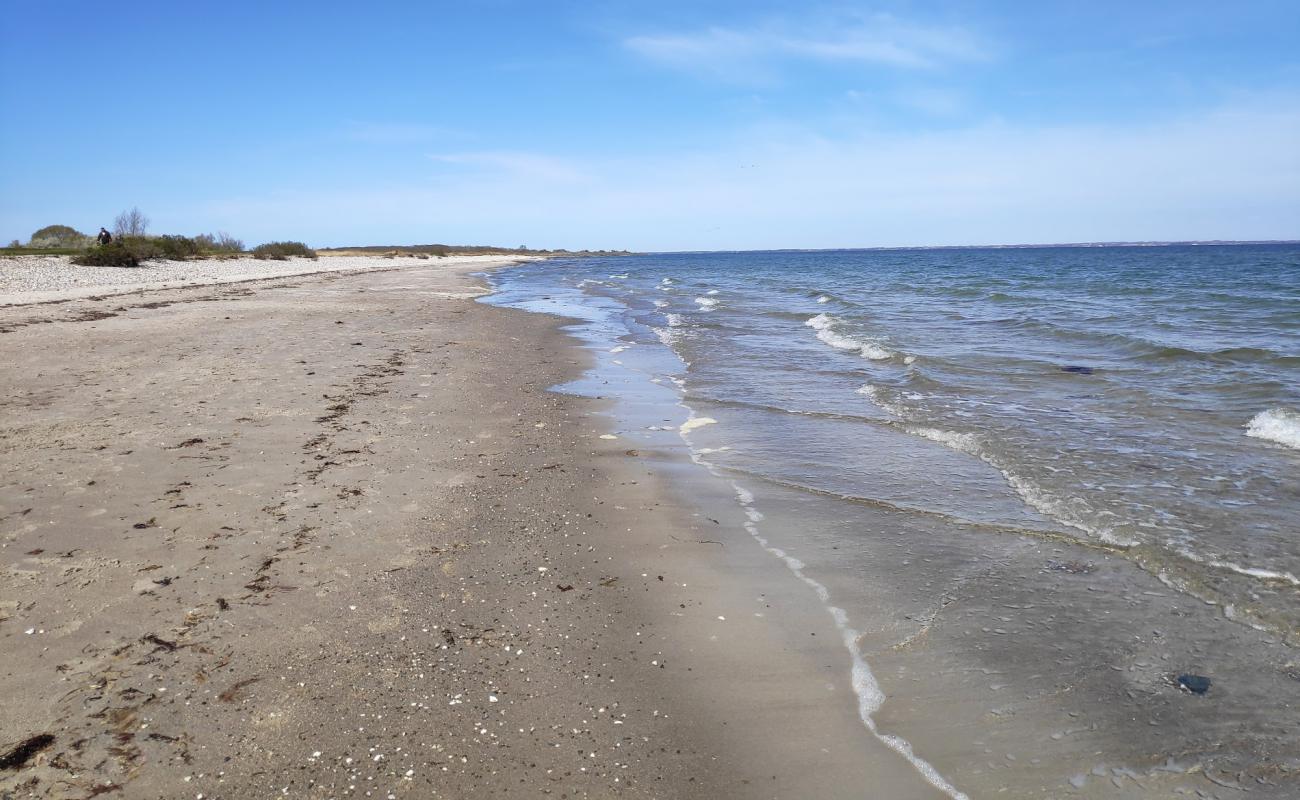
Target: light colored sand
43,279
295,536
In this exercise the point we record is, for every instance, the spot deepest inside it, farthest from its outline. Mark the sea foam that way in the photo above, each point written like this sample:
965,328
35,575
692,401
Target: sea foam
877,396
696,422
963,442
706,303
824,324
870,696
1278,425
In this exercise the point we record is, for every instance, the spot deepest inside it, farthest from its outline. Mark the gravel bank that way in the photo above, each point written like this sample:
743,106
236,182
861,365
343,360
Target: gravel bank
41,279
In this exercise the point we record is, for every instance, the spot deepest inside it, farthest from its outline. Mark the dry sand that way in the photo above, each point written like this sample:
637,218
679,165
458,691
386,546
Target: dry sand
331,536
43,279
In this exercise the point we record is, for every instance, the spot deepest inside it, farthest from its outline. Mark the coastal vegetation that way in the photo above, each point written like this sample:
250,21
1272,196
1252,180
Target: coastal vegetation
131,244
59,236
131,250
281,251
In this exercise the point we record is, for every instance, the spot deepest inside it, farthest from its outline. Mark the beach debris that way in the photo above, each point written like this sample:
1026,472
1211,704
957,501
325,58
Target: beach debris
162,643
609,581
232,694
1077,370
1072,567
142,525
564,587
18,755
190,442
1196,684
448,636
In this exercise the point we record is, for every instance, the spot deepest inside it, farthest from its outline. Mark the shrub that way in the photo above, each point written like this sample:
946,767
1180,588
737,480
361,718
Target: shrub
58,236
142,247
113,254
176,248
281,251
228,243
130,223
221,242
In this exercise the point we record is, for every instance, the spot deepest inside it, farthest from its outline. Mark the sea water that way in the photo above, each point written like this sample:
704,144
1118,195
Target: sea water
1140,403
1143,399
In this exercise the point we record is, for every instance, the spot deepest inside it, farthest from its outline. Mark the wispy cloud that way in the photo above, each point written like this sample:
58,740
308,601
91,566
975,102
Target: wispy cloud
515,164
747,53
1230,173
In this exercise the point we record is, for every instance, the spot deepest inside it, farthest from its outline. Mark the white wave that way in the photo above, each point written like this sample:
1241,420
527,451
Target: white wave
666,281
618,349
706,303
824,325
695,422
1253,572
712,292
870,696
618,277
1277,425
675,321
963,442
662,304
877,396
667,336
1059,509
823,299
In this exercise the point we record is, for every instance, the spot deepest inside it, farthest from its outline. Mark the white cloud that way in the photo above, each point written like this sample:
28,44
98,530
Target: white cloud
750,54
1233,173
515,165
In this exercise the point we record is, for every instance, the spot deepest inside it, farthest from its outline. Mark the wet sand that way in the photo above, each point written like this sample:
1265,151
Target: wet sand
331,536
1013,664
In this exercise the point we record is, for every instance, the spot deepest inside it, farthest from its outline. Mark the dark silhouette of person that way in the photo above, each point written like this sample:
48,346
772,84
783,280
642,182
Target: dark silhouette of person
104,236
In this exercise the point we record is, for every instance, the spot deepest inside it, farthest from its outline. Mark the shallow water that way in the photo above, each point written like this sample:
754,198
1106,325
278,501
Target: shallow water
1074,469
1145,399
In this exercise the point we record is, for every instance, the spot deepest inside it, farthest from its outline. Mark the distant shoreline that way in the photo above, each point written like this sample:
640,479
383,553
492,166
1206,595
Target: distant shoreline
1059,246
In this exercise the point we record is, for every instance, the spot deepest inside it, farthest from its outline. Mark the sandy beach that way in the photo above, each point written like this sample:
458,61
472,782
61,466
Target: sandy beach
331,536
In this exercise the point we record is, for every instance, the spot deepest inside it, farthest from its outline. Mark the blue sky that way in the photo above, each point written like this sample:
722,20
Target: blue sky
655,125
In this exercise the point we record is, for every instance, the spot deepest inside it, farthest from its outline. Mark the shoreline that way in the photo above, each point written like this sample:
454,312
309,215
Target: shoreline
259,538
1018,665
32,280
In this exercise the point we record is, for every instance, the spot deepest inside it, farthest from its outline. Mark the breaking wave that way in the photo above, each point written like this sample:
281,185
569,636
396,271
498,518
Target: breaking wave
1277,425
825,325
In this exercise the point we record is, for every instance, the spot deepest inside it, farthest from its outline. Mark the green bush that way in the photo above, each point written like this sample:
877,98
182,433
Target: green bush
113,254
221,242
176,248
58,236
143,248
281,251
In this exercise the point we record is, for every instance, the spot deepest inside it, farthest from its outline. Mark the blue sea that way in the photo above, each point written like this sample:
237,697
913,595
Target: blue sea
1139,404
